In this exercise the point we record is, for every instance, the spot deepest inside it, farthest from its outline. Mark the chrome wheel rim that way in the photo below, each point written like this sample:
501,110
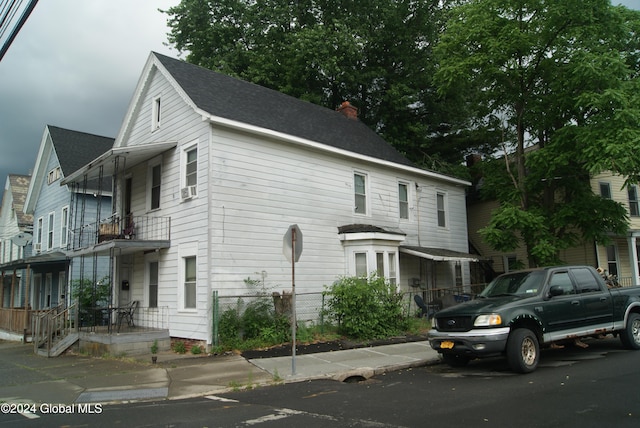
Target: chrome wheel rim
528,351
635,330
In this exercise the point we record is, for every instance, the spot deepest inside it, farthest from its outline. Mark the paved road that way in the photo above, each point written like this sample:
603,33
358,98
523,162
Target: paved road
596,387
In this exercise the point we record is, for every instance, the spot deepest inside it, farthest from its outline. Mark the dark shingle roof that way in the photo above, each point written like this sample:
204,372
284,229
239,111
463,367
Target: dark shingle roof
234,99
19,188
75,149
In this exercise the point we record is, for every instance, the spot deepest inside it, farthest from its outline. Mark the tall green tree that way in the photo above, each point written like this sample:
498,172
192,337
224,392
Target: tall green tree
561,78
377,54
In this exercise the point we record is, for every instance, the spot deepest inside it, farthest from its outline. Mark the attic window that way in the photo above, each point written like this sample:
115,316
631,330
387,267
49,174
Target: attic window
156,114
54,175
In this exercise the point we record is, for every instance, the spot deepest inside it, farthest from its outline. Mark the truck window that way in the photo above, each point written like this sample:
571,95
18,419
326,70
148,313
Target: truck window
585,281
563,281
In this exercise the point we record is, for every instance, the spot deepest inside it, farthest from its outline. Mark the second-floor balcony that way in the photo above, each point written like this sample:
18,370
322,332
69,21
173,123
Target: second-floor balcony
133,233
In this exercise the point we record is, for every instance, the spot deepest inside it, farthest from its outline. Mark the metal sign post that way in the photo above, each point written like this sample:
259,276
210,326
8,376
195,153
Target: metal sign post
292,248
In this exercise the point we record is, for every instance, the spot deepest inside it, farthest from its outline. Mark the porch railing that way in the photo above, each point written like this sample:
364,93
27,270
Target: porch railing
53,325
15,320
106,319
138,228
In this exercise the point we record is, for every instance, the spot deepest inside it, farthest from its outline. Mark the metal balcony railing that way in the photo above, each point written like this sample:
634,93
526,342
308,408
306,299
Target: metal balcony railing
138,228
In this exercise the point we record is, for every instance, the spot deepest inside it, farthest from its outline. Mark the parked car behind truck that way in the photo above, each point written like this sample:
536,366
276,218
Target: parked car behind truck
518,312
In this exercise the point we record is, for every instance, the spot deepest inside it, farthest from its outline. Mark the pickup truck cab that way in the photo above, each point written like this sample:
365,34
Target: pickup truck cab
518,312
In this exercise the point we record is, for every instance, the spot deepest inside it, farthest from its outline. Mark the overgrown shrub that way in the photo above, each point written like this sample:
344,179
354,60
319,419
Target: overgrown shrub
255,323
179,347
365,308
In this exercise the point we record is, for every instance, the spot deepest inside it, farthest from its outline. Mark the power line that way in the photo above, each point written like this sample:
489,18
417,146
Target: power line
8,11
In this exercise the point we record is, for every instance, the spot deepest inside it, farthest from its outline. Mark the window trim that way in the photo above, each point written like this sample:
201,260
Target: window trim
634,208
153,163
184,164
605,185
401,202
147,294
365,177
185,251
156,113
444,210
64,226
51,221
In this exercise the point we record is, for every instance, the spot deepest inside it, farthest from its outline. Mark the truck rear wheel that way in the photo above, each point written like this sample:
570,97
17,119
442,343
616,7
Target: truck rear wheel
630,336
523,350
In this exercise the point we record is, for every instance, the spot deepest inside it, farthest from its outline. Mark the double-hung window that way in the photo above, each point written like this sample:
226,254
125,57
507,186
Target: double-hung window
64,224
441,208
156,185
156,113
632,191
360,193
153,284
190,282
605,190
50,231
191,167
403,200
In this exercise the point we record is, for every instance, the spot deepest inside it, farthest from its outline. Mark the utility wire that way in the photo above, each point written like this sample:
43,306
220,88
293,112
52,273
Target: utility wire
8,18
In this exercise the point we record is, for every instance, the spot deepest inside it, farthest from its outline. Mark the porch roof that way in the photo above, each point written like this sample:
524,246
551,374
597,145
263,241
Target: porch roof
440,254
121,247
132,154
40,259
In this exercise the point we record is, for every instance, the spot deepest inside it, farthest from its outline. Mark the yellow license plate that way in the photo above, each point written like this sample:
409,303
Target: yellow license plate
446,344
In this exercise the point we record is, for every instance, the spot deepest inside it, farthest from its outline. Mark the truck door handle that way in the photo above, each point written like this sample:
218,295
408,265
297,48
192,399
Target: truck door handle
575,302
603,299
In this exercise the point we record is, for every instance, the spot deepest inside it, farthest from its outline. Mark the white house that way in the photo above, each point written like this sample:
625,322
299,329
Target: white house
210,172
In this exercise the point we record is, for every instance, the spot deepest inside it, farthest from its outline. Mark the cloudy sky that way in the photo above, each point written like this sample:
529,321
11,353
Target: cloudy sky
75,65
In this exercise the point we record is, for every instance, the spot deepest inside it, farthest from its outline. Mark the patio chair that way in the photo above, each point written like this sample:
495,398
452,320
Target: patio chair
126,314
424,310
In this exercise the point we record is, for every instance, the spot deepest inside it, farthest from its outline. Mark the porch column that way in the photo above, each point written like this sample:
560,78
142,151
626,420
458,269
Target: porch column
633,252
13,286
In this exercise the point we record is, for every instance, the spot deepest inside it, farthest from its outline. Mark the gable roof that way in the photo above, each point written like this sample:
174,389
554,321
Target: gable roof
19,187
75,149
237,100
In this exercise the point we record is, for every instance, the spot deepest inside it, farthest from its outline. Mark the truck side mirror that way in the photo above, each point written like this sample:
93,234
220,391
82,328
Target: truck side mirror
555,290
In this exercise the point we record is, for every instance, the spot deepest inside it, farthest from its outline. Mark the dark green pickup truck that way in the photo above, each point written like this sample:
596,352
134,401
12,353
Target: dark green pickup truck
520,311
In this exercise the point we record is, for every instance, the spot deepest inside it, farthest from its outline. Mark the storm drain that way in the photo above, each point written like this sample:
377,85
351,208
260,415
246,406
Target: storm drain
354,379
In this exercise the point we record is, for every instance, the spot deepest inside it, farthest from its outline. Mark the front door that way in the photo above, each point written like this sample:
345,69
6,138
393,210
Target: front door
564,311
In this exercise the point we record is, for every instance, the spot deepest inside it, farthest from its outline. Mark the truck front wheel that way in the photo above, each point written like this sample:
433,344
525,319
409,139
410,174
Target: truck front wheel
630,336
523,350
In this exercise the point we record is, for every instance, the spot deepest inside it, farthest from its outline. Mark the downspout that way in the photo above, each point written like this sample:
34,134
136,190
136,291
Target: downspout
210,229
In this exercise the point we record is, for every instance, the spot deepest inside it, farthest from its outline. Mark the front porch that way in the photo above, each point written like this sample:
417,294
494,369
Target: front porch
117,332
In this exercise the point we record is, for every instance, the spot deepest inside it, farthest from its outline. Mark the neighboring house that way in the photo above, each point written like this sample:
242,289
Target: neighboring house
619,258
15,245
61,152
210,172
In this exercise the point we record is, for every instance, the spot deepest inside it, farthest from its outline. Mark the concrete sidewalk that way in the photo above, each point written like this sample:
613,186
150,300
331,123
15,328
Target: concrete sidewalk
80,379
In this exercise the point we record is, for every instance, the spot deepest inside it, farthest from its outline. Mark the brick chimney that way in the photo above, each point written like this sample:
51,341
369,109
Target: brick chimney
348,110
